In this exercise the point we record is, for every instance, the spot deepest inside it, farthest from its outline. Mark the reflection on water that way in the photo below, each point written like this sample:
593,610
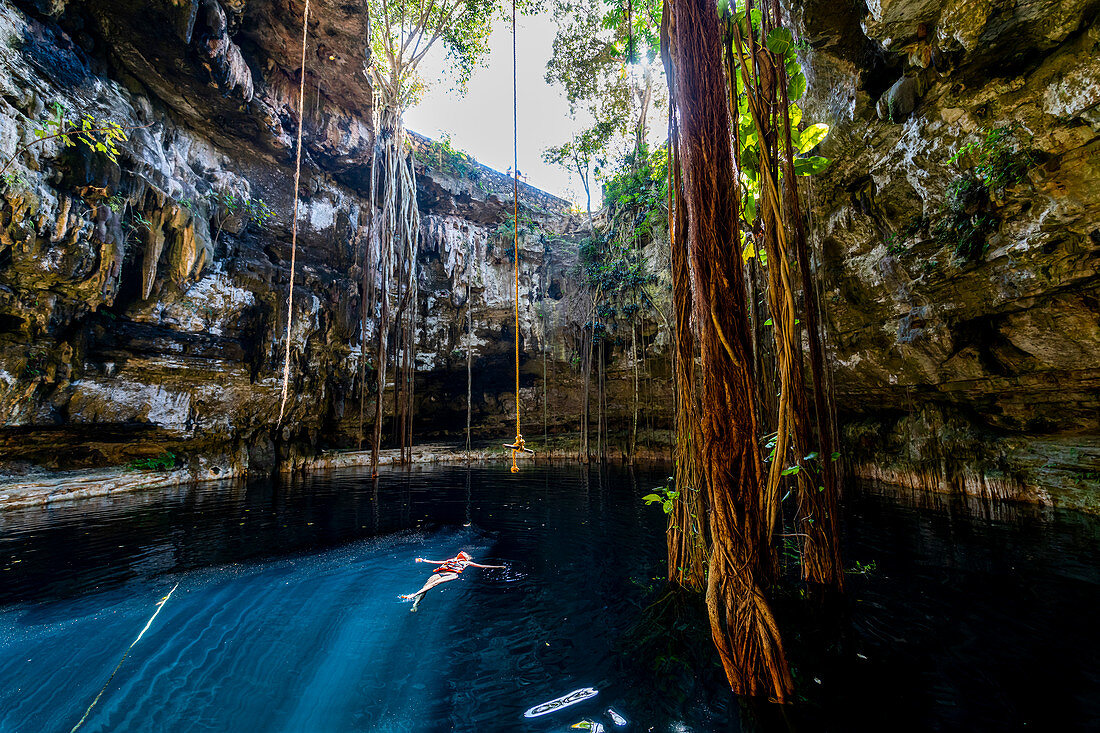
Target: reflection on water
287,615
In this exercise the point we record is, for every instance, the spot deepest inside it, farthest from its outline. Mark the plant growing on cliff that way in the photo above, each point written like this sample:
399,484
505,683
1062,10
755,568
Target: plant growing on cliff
12,181
100,136
36,363
166,461
442,155
583,153
992,163
997,158
965,222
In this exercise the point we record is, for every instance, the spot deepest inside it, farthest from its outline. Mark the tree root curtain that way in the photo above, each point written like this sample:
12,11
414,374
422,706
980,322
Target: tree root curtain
742,562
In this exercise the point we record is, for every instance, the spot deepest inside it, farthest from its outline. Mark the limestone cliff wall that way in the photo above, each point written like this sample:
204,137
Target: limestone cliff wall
965,324
142,307
143,302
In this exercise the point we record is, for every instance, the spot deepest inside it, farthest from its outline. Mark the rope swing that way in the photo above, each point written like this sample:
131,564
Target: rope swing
518,446
294,227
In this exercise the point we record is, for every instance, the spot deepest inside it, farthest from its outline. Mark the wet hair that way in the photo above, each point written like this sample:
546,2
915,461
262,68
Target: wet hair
464,556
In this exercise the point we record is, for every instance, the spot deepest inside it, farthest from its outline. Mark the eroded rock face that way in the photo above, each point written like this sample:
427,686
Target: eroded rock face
965,318
143,302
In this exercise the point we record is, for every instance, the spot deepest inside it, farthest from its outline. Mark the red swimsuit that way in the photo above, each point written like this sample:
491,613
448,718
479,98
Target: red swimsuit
454,565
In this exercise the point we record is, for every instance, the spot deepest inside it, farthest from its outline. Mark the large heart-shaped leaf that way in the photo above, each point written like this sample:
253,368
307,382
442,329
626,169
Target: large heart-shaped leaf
796,87
812,136
780,41
811,165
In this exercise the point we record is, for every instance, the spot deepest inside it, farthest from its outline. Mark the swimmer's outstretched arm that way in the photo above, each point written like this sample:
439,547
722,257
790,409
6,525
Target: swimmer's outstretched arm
476,565
433,562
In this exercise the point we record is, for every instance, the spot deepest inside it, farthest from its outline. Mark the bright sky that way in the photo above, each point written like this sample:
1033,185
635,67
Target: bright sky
480,122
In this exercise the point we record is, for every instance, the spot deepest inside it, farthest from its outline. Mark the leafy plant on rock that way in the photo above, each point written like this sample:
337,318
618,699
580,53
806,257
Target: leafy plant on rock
166,461
997,159
99,135
447,159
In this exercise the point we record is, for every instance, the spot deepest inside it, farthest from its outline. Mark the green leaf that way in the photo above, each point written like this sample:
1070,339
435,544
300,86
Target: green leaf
780,41
768,322
650,498
748,252
741,19
749,208
811,456
810,166
668,507
796,87
836,455
795,113
792,66
750,158
789,471
812,136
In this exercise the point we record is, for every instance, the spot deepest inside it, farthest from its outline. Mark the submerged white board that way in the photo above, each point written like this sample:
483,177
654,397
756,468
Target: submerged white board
564,701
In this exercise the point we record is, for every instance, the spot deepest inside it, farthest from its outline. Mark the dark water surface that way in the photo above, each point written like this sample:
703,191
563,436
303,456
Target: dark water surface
287,617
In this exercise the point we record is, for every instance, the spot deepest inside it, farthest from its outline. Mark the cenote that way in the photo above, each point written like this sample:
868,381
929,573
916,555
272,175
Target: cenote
287,614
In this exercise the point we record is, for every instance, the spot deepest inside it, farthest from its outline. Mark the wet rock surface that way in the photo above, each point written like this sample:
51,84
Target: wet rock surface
965,317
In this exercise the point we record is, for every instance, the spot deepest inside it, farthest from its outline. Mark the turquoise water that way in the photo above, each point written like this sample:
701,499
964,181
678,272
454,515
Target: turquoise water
286,616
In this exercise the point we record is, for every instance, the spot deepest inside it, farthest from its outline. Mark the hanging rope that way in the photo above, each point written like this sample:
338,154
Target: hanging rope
518,446
294,226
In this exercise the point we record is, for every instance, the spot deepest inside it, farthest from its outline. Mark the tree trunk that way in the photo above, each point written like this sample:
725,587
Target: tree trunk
818,517
742,623
687,559
399,235
367,294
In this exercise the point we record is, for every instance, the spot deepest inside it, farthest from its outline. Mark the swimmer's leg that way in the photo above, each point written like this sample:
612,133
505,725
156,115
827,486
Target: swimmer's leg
433,581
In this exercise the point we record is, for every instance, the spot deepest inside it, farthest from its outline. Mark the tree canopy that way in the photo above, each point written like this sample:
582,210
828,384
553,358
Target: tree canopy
404,31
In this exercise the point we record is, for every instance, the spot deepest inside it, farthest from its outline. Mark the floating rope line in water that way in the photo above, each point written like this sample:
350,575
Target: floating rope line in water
160,605
294,225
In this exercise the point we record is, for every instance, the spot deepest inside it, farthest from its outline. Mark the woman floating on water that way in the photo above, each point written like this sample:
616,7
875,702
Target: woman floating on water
447,570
